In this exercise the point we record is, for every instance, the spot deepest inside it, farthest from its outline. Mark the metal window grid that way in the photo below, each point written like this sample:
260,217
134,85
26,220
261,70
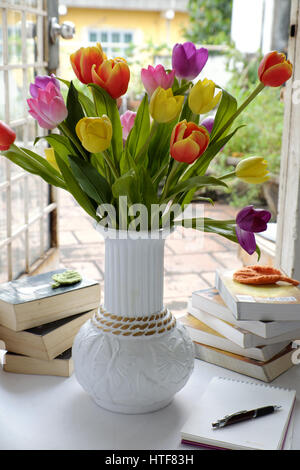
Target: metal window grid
32,232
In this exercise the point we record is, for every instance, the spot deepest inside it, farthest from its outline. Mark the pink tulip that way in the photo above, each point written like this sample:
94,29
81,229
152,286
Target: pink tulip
48,107
127,121
155,77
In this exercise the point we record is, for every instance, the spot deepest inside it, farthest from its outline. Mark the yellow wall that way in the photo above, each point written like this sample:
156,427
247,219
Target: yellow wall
146,25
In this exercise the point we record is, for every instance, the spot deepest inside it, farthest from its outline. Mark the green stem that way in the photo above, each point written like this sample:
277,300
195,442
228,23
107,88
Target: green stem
228,175
110,164
65,130
250,98
169,180
153,130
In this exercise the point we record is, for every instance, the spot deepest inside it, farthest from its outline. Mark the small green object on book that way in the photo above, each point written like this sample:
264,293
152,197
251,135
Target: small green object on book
66,278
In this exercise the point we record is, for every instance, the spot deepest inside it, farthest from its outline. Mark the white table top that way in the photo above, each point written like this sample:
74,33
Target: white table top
42,412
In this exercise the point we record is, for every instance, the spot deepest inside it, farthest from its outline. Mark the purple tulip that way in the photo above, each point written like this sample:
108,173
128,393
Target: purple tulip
187,61
41,82
127,122
47,105
208,123
248,222
153,77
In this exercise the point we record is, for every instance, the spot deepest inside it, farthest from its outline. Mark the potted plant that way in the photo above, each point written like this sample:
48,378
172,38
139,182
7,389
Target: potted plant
134,175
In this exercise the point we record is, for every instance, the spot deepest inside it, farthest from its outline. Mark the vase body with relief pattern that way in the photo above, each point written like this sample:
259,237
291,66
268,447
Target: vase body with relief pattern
133,356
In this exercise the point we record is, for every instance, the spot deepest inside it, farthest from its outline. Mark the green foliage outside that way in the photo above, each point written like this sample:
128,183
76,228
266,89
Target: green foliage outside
210,21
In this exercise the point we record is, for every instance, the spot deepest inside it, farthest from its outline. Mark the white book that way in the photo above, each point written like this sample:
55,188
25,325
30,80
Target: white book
238,335
211,302
204,334
276,302
225,396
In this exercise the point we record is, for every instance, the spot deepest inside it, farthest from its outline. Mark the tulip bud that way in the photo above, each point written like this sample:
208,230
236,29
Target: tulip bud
201,97
50,157
164,106
113,76
274,70
95,133
7,136
127,121
83,60
252,170
188,141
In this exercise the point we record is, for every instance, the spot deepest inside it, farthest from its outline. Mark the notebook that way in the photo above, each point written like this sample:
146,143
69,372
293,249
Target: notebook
225,396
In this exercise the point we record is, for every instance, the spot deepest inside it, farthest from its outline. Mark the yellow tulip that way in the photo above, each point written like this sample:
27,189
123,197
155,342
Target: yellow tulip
252,170
164,106
202,97
95,133
50,157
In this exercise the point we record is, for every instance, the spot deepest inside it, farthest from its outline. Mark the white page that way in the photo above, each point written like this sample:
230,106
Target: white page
226,396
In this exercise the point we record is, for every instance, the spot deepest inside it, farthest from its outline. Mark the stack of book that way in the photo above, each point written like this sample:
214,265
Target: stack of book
38,323
247,329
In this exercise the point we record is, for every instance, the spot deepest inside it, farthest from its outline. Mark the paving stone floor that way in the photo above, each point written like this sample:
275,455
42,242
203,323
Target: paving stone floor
190,263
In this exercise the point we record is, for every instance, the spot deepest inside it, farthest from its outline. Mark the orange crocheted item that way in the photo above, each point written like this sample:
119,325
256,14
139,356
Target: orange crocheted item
260,275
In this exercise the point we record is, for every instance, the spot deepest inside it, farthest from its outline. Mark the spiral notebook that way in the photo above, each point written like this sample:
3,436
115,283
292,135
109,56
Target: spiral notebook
225,396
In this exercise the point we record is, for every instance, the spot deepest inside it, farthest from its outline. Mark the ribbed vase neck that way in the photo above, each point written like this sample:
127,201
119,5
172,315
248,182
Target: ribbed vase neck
134,276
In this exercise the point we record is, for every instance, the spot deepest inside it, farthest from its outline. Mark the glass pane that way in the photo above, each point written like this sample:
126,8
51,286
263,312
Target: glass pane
104,36
17,196
2,96
93,37
15,78
47,234
128,37
1,39
3,264
34,242
14,37
34,185
2,170
31,21
115,37
2,217
18,255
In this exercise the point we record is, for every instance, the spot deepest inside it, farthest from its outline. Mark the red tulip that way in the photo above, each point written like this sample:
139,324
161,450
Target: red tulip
275,69
7,136
113,76
188,141
83,60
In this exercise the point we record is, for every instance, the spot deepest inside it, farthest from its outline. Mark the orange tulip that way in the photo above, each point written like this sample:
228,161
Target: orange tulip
113,76
83,60
275,69
188,141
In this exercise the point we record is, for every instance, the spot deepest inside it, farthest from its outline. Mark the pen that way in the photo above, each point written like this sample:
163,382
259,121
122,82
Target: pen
244,416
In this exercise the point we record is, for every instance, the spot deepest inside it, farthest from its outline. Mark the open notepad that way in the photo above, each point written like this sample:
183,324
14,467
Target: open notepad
226,396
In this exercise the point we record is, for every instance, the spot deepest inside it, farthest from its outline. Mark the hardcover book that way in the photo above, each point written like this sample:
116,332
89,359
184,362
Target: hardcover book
46,341
204,334
30,302
210,301
261,370
238,335
276,302
61,366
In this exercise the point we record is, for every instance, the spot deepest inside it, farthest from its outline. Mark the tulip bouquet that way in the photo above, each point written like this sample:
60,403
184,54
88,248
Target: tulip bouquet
156,157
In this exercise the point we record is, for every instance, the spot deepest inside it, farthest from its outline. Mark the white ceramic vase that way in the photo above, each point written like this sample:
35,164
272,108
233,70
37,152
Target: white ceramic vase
133,356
